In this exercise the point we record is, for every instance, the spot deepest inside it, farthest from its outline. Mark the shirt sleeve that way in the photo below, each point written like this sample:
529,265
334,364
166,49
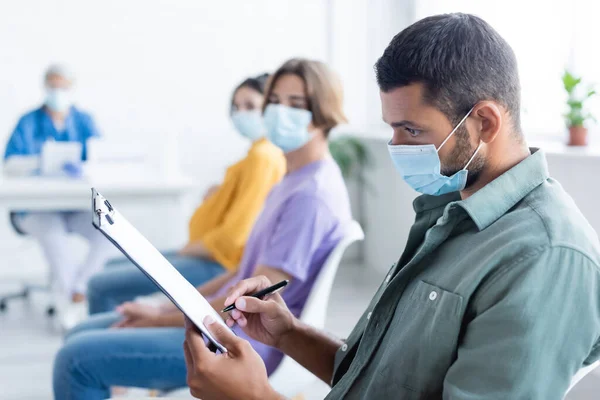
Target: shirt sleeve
300,231
92,127
91,131
226,241
17,144
533,326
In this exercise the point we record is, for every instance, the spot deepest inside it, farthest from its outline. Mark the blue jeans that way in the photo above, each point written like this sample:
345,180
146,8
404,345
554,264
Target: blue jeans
122,281
95,358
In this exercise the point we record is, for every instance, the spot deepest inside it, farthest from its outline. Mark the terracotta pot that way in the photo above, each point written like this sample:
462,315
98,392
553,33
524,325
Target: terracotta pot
578,136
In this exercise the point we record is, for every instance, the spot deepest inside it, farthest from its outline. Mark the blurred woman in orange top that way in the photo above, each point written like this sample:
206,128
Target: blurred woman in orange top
219,228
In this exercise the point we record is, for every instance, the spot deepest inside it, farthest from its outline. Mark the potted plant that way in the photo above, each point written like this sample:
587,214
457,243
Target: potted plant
351,156
576,115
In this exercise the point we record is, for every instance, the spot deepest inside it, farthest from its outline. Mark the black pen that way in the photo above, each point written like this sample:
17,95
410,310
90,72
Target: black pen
262,293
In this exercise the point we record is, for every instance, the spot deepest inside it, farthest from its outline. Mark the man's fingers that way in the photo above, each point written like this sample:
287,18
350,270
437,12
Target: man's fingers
189,360
222,334
252,305
247,286
199,353
236,314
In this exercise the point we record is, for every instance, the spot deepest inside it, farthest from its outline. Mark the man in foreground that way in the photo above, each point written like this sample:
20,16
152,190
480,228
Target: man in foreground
496,294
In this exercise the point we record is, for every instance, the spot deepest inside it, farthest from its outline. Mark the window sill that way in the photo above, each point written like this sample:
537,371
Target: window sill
555,144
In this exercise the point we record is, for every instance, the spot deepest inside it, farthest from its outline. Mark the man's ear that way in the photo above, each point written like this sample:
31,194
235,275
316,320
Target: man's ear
488,120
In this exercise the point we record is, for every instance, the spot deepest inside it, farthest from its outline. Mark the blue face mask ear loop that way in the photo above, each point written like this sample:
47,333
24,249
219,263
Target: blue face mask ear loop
452,133
473,156
455,129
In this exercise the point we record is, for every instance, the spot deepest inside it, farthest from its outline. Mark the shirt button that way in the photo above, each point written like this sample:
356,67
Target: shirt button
433,295
387,278
369,315
344,347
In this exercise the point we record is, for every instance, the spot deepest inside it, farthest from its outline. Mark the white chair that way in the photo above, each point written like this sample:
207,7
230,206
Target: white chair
581,374
290,377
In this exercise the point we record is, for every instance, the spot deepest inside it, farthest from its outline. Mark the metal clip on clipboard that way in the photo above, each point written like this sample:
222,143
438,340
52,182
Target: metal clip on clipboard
99,211
154,265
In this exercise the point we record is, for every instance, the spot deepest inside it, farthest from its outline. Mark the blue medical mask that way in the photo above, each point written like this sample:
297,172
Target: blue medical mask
249,124
420,167
287,127
58,100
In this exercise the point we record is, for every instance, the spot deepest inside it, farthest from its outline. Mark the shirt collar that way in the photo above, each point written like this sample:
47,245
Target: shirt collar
428,202
494,200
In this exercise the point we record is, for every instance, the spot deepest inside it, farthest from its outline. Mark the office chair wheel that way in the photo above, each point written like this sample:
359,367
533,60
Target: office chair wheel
3,306
50,311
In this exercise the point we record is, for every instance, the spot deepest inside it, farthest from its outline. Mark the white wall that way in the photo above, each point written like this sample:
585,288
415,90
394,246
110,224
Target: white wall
546,36
360,31
155,69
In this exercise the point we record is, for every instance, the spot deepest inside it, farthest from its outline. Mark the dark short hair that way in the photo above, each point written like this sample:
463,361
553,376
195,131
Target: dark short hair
323,91
460,60
257,83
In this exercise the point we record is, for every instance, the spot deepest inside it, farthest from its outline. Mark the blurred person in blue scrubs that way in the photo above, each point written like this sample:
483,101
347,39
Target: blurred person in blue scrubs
58,120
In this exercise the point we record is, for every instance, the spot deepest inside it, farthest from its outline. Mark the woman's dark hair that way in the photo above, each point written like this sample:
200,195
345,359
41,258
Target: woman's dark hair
257,83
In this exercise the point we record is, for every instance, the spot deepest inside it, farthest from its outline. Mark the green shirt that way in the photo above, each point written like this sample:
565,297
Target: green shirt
495,297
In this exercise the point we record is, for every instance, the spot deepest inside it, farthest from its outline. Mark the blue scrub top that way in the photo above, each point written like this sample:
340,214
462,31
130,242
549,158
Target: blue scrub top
35,127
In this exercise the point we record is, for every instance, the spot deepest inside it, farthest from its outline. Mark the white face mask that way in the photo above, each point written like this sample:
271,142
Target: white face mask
287,127
58,100
249,124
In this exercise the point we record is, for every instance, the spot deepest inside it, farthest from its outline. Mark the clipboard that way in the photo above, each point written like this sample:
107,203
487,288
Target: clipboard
154,265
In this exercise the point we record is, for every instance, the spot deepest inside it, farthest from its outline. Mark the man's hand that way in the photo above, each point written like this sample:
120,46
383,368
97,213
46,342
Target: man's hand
136,315
238,374
265,320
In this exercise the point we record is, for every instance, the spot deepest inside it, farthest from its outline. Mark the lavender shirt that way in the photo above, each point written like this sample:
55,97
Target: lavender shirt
303,219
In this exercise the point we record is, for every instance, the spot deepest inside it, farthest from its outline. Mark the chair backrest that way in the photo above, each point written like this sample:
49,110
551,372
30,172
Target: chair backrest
581,374
315,309
13,221
290,377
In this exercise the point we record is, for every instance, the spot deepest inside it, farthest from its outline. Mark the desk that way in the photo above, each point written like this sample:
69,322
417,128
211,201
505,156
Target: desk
157,206
36,193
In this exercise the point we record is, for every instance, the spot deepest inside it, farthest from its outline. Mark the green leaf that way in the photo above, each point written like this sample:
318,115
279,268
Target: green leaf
351,155
570,81
576,116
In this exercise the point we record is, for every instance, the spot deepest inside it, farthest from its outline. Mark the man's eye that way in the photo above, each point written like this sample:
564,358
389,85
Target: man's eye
412,132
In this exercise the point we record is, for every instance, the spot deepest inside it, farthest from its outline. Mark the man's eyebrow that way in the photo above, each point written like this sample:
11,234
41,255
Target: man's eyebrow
402,124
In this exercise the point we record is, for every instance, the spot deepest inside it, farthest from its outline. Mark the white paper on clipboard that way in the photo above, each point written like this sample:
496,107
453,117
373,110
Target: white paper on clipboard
152,263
